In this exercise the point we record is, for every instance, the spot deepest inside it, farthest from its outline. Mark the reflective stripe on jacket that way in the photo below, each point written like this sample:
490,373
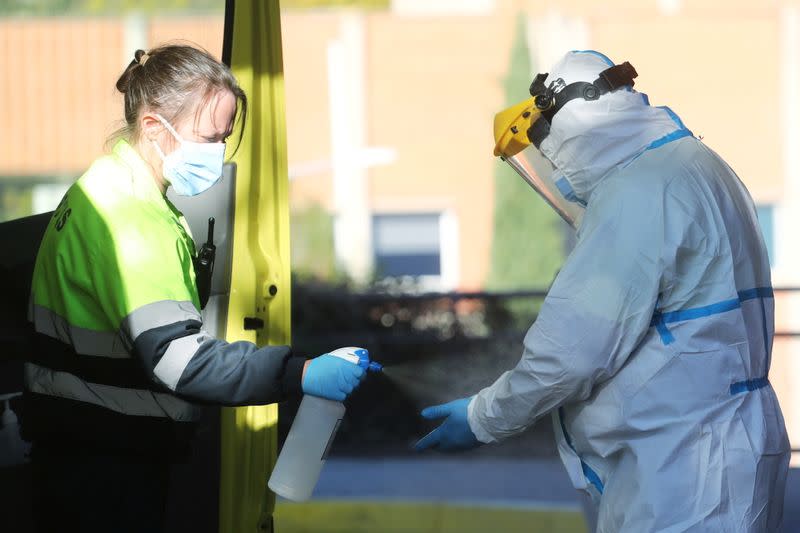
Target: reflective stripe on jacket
115,306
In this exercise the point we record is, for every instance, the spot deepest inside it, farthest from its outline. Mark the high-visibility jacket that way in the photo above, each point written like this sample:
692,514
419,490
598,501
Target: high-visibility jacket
120,339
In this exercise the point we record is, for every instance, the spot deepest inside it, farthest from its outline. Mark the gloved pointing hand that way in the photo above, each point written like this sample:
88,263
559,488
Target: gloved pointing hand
331,377
454,433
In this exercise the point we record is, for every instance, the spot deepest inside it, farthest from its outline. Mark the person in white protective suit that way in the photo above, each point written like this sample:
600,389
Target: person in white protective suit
652,348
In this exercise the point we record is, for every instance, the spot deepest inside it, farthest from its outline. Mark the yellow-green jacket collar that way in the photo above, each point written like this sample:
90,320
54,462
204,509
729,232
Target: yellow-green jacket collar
144,183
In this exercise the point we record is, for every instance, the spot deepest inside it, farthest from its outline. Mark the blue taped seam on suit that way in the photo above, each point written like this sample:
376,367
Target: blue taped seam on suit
666,336
749,385
758,292
674,116
596,53
701,312
680,133
668,138
588,472
674,136
764,327
660,320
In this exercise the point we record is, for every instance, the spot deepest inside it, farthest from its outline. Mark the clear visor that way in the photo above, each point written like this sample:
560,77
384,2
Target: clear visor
523,164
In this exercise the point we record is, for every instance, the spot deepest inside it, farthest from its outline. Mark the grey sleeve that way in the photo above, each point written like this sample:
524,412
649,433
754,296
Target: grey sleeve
188,361
596,313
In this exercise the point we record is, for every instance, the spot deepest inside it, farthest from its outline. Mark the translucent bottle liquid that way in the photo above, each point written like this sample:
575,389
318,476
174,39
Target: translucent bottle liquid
310,438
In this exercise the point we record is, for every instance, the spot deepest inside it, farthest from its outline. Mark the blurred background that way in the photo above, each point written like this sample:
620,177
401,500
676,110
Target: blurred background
407,236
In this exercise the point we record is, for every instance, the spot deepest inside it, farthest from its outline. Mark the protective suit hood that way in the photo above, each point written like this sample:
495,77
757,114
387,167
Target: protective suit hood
590,139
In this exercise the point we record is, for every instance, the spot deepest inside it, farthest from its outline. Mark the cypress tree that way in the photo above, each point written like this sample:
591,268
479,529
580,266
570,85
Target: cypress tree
527,242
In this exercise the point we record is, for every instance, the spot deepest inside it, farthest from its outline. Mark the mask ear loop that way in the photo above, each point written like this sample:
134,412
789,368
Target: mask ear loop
169,129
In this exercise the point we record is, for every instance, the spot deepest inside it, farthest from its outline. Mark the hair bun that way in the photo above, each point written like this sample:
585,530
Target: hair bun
141,57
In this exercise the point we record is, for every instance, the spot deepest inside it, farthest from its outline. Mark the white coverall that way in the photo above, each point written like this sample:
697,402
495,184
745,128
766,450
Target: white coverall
652,348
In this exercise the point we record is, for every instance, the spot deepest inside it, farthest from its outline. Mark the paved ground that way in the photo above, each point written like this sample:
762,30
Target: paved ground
513,483
517,483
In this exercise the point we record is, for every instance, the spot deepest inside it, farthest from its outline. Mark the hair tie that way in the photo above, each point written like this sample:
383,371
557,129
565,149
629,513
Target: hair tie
141,57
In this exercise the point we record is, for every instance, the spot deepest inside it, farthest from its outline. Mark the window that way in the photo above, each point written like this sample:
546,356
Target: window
766,220
407,245
421,245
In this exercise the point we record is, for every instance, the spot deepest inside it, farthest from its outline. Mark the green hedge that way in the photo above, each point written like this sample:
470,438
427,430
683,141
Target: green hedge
388,517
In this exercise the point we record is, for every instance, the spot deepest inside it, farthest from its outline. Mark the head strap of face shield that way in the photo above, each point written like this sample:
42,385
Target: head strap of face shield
550,99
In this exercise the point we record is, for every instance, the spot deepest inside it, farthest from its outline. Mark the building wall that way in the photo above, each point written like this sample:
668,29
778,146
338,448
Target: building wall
57,96
431,84
58,103
305,51
434,102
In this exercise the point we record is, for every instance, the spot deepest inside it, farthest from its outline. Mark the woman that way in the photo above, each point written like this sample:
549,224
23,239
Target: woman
121,352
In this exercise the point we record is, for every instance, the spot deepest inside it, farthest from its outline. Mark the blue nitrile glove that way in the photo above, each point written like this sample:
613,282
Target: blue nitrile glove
331,377
454,433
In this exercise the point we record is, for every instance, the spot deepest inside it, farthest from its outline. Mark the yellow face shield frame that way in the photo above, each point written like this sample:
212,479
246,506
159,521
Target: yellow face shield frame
511,128
513,146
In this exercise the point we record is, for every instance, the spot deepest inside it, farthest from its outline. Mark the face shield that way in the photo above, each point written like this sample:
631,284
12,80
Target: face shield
520,129
514,147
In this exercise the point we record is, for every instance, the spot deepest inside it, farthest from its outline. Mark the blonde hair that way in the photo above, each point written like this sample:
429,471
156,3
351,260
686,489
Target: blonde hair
172,80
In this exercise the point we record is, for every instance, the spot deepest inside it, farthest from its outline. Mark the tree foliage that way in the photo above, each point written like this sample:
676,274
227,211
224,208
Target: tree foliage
311,4
106,7
311,238
527,245
121,7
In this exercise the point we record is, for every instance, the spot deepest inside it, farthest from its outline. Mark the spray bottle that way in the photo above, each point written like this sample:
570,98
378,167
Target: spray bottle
310,438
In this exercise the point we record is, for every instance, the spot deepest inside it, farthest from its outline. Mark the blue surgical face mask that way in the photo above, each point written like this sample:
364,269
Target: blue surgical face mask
567,191
192,167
